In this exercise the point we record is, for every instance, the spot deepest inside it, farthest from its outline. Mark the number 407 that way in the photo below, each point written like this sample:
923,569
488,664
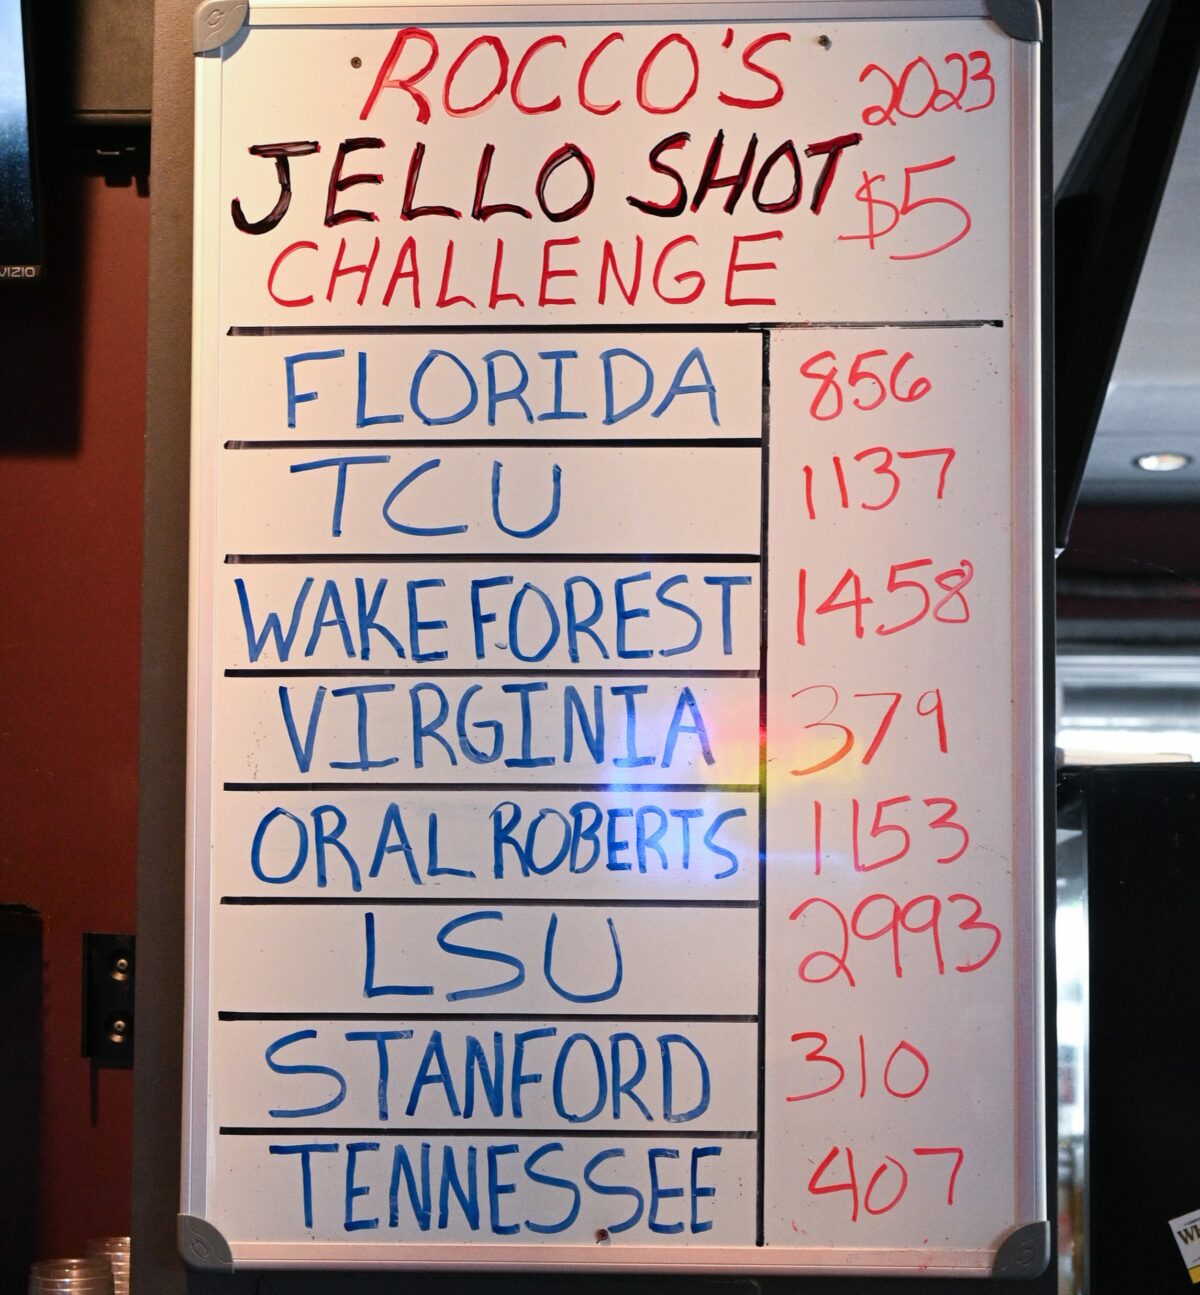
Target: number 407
887,1185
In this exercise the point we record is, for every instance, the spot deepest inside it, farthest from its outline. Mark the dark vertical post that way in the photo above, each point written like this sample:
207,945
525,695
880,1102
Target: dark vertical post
155,1267
1105,211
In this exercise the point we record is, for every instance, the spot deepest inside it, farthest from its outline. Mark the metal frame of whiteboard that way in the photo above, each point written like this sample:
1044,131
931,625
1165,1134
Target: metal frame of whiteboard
1028,989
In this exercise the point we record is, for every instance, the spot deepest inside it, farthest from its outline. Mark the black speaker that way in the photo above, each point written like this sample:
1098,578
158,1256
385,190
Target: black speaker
20,1089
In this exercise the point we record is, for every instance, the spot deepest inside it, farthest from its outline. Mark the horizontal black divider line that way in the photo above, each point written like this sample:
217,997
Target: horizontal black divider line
427,901
248,559
477,1131
425,330
597,788
419,672
594,443
884,323
645,1018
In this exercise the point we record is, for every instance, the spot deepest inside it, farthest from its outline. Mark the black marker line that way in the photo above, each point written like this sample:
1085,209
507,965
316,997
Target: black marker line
266,559
457,789
478,1131
527,443
794,325
763,591
477,330
596,788
645,1018
428,901
420,672
484,330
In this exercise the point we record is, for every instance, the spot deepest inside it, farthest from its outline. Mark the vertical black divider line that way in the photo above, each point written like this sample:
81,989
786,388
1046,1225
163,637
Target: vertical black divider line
763,573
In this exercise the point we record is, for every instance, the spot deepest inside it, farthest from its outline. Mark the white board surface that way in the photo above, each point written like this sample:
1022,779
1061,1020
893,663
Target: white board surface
615,825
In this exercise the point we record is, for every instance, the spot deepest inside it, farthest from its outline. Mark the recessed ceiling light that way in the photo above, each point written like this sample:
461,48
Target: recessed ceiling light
1163,461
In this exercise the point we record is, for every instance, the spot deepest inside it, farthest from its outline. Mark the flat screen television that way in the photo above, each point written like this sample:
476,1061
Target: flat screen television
20,228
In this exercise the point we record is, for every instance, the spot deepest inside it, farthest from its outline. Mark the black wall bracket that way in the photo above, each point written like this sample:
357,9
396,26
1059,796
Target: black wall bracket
108,967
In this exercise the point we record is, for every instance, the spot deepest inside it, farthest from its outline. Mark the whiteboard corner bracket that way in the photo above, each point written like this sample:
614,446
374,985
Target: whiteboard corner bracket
202,1247
215,22
1020,19
1024,1253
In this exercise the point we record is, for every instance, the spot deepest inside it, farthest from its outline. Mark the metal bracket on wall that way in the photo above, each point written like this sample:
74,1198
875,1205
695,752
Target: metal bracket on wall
108,966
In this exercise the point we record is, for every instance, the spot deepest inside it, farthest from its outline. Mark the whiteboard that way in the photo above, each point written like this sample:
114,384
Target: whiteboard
615,717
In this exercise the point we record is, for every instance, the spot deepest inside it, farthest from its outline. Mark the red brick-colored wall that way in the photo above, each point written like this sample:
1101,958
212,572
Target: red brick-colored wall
72,397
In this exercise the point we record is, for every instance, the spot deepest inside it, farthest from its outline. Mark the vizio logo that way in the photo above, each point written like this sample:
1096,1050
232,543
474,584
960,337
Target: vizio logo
20,271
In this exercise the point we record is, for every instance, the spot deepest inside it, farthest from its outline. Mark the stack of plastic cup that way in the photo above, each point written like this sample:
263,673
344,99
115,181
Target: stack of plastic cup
89,1276
116,1251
